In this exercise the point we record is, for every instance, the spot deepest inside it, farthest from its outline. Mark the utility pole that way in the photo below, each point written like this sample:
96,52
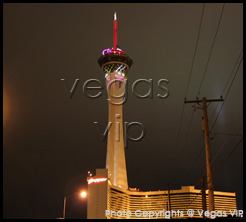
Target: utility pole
204,207
205,128
169,200
64,206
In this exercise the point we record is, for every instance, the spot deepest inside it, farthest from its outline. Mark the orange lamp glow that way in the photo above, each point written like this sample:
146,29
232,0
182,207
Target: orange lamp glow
83,194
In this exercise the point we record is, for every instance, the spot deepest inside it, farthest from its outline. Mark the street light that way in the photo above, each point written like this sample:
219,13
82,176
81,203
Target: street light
82,194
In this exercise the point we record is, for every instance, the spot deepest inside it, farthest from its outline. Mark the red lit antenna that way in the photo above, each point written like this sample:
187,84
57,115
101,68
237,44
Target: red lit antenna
114,49
115,31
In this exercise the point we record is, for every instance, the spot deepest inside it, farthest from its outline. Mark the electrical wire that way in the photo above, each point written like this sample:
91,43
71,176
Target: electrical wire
232,71
198,36
188,130
218,102
222,146
210,53
198,156
227,94
193,59
211,117
211,49
228,157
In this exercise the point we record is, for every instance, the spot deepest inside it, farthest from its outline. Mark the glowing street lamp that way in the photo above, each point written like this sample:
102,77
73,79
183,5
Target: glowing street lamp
82,194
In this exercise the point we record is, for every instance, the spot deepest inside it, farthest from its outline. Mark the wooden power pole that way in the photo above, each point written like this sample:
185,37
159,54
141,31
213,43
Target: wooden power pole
204,207
205,128
64,206
169,200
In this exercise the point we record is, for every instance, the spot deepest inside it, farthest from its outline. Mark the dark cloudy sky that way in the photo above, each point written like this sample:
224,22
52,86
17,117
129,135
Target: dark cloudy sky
50,141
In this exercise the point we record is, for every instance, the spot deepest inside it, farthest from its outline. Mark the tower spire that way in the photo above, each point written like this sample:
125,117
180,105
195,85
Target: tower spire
115,31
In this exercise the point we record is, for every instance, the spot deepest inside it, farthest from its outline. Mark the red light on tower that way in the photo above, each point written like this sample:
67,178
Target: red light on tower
96,180
115,30
114,50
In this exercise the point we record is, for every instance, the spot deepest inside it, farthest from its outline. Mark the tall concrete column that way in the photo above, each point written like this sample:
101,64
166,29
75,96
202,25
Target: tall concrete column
115,162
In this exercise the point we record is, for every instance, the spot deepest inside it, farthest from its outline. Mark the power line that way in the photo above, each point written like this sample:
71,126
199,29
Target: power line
224,135
232,71
228,157
198,156
179,129
227,82
187,134
226,95
182,113
200,25
211,49
221,147
223,102
228,137
214,111
218,104
202,148
210,53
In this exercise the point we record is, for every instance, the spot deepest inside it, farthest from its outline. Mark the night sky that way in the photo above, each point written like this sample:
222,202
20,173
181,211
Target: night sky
50,141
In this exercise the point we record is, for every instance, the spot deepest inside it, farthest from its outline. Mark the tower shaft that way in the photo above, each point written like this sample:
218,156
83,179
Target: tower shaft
115,65
115,162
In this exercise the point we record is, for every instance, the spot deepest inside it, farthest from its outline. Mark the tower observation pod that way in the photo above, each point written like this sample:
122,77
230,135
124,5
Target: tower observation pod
115,65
